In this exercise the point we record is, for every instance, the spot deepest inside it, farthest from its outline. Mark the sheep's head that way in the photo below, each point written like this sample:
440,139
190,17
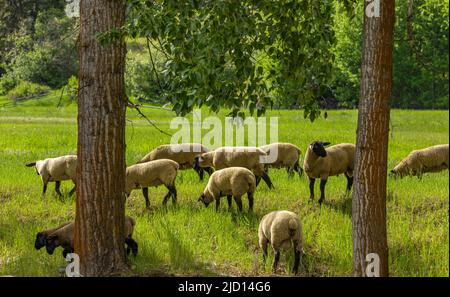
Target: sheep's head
197,161
33,164
40,240
203,198
51,243
318,148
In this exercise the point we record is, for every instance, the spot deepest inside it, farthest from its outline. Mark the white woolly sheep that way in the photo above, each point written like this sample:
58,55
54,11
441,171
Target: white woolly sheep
247,157
288,156
57,170
153,174
230,182
282,229
63,236
322,163
183,154
418,162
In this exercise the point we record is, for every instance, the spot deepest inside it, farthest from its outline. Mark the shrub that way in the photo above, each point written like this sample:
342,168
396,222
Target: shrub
26,89
7,82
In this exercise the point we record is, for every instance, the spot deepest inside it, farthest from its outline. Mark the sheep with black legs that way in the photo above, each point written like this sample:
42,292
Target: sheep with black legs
230,182
56,170
152,174
287,156
418,162
62,236
251,158
282,229
322,163
183,154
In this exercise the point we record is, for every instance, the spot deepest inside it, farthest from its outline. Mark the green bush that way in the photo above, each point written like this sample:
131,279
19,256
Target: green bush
26,89
7,82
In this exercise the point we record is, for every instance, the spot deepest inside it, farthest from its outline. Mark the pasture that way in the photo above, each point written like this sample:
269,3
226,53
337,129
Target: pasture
190,239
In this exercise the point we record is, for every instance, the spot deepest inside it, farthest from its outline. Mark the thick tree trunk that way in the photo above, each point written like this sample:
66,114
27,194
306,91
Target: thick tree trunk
369,194
100,205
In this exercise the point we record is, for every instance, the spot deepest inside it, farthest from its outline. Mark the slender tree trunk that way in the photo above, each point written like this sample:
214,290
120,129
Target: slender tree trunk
100,205
369,194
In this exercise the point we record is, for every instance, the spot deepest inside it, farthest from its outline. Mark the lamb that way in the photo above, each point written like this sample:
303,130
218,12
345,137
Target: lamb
230,182
183,154
153,174
418,162
288,156
322,163
63,236
281,229
57,170
247,157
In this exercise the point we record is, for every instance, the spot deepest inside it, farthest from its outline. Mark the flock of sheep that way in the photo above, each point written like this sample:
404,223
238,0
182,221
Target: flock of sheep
233,173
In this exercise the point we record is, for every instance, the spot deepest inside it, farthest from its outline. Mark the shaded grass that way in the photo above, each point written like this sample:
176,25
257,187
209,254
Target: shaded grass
193,240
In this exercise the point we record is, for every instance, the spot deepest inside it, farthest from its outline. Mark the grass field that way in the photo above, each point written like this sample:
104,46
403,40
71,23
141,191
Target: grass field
193,240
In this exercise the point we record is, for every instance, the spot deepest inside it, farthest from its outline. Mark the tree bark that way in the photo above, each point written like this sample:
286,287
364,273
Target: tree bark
369,194
100,205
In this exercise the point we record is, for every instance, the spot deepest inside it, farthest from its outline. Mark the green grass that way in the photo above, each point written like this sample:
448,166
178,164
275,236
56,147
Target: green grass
193,240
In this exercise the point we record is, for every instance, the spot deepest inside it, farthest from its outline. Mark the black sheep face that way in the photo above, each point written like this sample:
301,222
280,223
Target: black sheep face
202,198
318,148
51,244
40,240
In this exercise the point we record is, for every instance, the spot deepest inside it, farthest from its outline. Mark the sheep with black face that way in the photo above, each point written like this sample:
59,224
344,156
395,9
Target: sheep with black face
321,162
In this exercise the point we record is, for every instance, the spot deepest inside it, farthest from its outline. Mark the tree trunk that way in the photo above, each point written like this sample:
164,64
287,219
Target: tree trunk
369,194
100,205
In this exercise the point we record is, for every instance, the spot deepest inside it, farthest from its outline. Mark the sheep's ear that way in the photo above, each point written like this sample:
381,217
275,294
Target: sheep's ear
325,143
30,164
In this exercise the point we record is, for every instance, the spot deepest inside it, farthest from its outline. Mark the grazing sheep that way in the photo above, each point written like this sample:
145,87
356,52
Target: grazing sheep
247,157
41,237
418,162
322,163
281,229
183,154
288,156
63,236
153,174
230,182
57,170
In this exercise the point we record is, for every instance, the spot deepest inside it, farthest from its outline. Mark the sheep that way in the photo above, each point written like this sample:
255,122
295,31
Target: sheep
230,182
183,154
418,162
281,229
248,157
63,236
153,174
322,163
57,170
288,156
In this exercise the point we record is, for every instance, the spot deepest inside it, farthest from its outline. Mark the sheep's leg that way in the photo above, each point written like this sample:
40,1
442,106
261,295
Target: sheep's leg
290,172
73,190
298,169
323,182
229,197
276,260
258,179
297,257
166,198
263,245
44,189
145,193
311,188
267,180
200,172
238,201
349,182
131,246
57,188
174,194
250,201
217,203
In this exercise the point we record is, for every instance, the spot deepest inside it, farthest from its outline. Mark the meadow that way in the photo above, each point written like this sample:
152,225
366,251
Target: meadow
190,239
